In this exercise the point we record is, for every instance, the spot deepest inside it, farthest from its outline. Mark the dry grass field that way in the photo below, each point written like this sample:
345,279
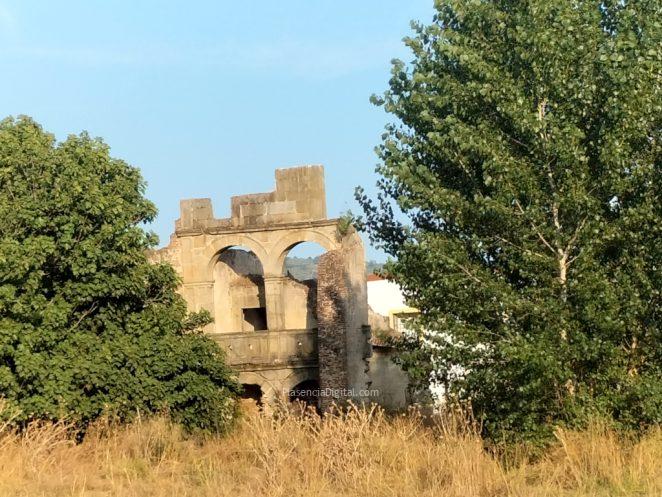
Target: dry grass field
360,453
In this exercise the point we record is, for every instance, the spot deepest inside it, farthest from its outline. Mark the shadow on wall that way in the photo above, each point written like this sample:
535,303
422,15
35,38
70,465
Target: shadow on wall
239,292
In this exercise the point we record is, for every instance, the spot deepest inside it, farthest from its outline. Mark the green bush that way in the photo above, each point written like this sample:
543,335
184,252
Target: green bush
87,325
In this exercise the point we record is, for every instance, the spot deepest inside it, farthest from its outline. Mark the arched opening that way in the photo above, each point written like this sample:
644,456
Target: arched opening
306,392
239,298
302,259
251,394
300,285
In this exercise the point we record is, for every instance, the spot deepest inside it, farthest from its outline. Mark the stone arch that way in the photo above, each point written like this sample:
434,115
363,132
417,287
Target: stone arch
307,392
287,242
237,278
304,388
221,244
269,390
299,376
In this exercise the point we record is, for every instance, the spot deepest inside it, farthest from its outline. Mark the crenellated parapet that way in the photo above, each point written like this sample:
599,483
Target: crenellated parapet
299,197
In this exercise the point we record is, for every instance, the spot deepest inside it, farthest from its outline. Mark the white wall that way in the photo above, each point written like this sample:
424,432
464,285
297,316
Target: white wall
385,297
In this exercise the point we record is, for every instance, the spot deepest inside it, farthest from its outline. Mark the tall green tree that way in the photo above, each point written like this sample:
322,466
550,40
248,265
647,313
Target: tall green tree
87,325
520,201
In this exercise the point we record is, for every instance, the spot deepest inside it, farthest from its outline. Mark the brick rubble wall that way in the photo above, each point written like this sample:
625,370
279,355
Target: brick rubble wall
332,294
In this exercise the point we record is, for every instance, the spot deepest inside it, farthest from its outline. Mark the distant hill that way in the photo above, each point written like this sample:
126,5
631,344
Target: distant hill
305,268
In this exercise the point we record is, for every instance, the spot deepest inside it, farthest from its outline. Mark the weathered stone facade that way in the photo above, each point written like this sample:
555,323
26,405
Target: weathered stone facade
332,343
278,332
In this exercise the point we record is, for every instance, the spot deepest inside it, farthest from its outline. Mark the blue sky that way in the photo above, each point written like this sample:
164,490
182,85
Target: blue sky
207,98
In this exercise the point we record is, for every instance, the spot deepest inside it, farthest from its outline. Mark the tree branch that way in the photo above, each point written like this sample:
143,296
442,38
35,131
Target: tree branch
535,228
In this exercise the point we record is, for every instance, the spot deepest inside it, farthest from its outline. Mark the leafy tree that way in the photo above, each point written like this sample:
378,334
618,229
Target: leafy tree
520,200
87,325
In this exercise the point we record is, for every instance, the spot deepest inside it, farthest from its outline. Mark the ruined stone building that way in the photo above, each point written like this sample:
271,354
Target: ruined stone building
281,334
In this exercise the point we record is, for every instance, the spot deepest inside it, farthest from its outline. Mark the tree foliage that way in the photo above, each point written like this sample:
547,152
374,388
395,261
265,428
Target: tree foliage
87,325
520,199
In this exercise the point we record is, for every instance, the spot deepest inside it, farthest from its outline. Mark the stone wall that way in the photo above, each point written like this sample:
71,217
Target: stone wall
342,317
300,312
331,325
388,380
356,314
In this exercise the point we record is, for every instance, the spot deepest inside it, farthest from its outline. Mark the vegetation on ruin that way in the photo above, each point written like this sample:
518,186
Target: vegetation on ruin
87,326
361,453
521,203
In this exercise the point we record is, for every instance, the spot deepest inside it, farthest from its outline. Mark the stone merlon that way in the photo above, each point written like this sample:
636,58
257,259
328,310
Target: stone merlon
299,197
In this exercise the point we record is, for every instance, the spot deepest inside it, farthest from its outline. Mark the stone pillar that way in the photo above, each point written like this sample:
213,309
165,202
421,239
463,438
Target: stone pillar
343,327
356,318
332,342
273,296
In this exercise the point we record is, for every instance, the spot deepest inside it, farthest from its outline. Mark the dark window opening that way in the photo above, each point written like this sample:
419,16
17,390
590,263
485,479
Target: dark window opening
255,319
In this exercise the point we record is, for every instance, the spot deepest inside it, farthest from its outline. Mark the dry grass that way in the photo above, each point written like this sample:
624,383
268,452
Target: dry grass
361,453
